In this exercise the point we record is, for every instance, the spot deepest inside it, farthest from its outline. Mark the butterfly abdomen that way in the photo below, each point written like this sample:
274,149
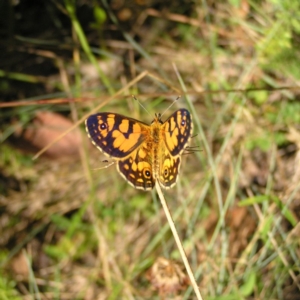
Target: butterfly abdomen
156,139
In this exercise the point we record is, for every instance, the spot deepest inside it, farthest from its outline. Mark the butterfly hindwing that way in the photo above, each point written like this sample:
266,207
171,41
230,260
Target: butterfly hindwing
177,131
137,169
169,170
116,135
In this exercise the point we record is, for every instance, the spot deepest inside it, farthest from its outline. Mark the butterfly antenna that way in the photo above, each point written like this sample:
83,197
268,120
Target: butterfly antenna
141,104
171,105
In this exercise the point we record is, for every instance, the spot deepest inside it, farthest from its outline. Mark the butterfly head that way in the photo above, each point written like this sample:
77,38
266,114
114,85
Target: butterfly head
157,118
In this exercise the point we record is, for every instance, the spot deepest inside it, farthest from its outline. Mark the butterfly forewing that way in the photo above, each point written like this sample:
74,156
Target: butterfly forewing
177,131
114,134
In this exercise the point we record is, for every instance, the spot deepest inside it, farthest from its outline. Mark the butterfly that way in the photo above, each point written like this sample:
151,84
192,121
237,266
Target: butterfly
143,153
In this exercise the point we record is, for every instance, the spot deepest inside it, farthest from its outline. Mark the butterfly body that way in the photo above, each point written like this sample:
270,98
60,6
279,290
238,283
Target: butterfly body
144,153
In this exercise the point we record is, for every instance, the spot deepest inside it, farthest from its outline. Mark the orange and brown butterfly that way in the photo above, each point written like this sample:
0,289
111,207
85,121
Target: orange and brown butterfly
144,153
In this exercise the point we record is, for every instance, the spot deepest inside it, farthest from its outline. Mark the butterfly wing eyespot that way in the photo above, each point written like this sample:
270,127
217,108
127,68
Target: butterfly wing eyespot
115,135
177,131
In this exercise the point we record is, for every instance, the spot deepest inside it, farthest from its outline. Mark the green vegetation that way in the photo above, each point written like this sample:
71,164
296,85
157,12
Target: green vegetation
72,228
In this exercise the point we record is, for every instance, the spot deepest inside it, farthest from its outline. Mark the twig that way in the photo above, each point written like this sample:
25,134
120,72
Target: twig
177,240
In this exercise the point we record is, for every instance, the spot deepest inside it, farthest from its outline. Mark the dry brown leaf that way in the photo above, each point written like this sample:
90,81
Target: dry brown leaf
46,127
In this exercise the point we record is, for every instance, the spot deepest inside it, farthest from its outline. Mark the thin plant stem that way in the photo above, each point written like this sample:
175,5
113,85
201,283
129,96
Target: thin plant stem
178,241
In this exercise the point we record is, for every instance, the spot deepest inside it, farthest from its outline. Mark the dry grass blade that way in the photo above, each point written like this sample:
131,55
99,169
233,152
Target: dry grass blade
178,241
